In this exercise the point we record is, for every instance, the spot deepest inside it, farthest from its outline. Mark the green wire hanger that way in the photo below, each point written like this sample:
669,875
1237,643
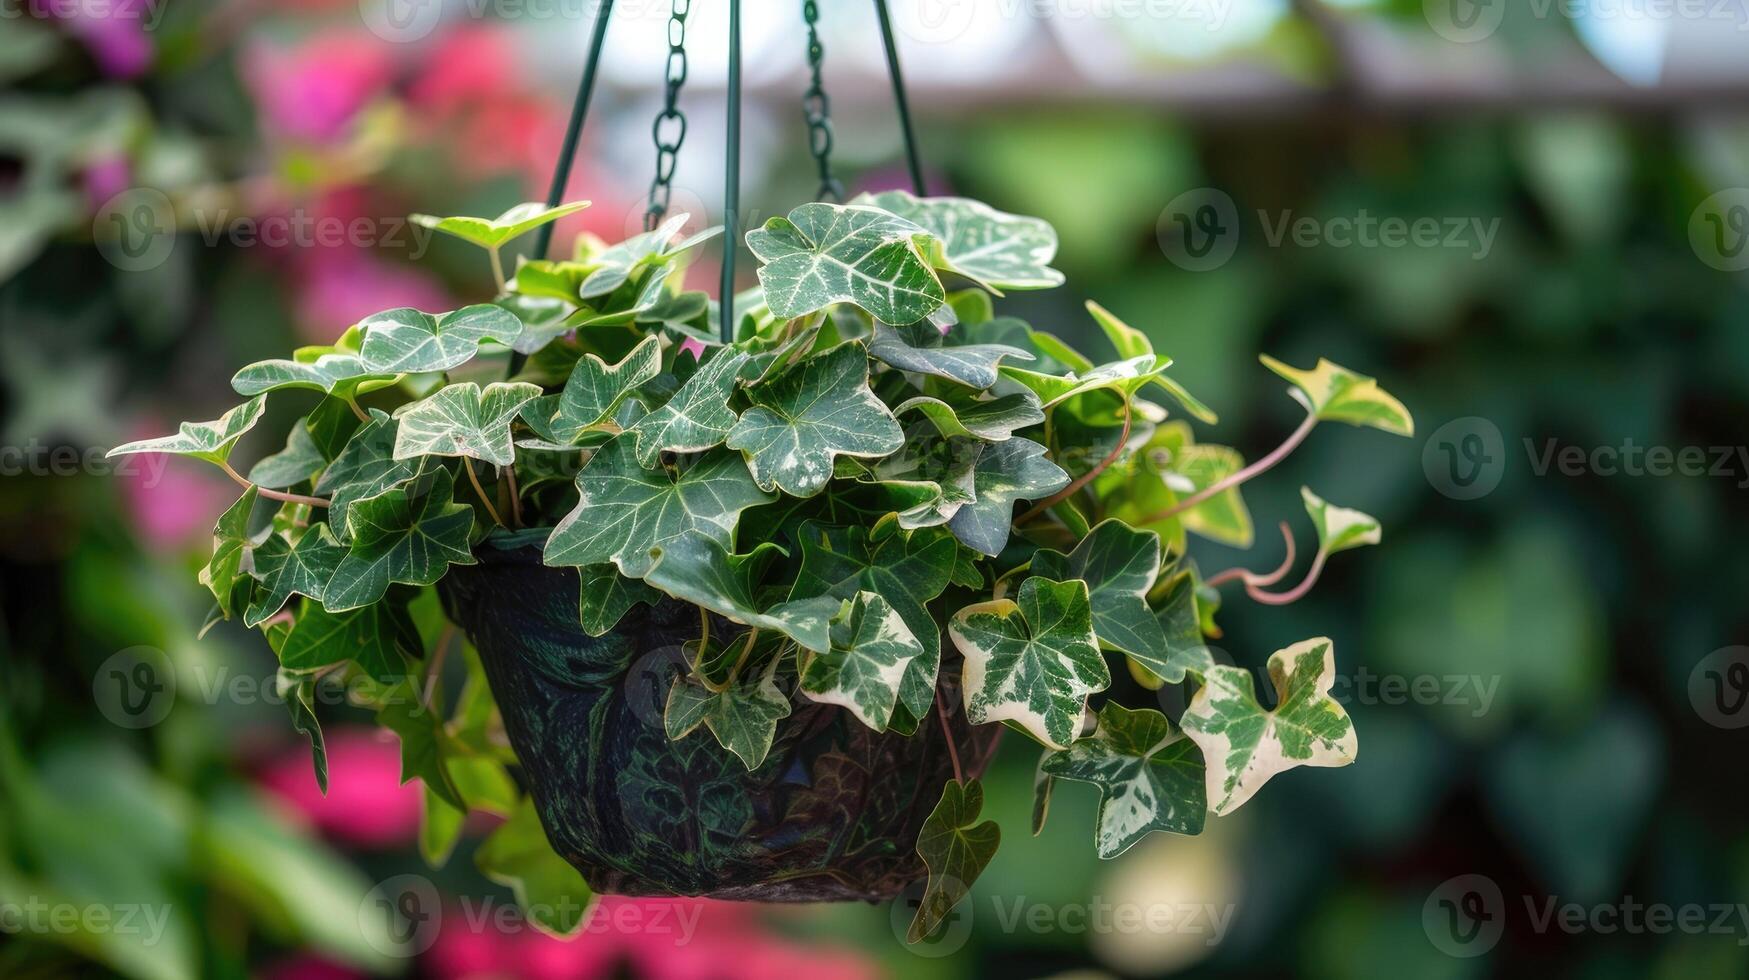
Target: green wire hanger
732,135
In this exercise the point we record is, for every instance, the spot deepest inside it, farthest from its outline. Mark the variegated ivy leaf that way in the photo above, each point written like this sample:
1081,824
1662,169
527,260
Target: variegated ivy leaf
286,567
929,480
365,468
1004,473
607,596
1032,660
993,249
697,417
379,637
919,348
1149,777
492,233
407,341
1179,624
871,649
464,420
232,550
907,569
986,419
1118,563
300,460
615,265
1333,393
1243,745
956,849
701,571
1223,517
625,512
408,535
1339,528
743,717
595,389
323,369
1130,343
211,441
803,419
831,253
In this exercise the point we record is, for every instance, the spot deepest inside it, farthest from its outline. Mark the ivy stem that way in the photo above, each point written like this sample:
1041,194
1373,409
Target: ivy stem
953,751
1123,441
353,404
1275,456
435,671
1294,594
475,480
290,498
1251,578
497,268
515,496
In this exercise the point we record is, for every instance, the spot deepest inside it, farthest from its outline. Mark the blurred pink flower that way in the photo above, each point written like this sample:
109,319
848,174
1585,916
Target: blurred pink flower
114,33
342,285
367,805
107,177
312,91
169,502
472,64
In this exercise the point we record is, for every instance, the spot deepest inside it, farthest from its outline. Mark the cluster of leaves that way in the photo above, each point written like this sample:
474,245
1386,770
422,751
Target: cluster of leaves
873,464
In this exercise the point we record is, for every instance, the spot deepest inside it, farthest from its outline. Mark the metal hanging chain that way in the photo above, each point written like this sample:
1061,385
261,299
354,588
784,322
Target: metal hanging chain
817,109
670,119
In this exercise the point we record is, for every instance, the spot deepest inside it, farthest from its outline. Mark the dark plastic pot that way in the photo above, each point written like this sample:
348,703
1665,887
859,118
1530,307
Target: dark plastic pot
833,813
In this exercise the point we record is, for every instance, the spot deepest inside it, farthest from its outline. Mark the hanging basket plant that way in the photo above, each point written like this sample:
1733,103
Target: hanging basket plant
744,595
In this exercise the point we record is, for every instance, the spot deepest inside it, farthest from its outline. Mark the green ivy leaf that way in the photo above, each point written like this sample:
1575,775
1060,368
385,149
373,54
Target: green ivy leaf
956,849
492,233
1149,777
1124,377
824,254
300,460
701,571
625,512
1033,661
1339,528
607,596
615,265
919,347
1223,517
969,415
211,441
929,480
1118,563
365,468
1132,343
378,637
993,249
907,569
809,415
596,389
293,567
1181,628
743,717
408,535
1243,745
232,550
406,341
518,856
698,417
464,420
342,373
298,690
872,649
1004,473
1335,394
403,711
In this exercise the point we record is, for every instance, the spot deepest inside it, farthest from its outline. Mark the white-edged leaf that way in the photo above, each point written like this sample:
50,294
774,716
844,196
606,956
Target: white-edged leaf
1334,393
832,253
806,417
464,420
871,650
1339,528
1031,660
211,441
1149,777
407,341
993,249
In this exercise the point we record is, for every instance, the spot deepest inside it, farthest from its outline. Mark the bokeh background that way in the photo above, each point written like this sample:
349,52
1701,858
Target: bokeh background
1544,662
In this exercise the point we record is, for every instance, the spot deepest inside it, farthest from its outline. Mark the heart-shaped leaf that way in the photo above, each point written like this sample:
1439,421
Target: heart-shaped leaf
1339,528
809,415
993,249
1149,777
919,348
1334,393
406,341
1118,563
342,373
624,511
287,567
1032,660
492,233
872,649
464,420
956,849
743,716
698,417
607,596
1243,745
378,637
1004,473
233,548
831,253
211,441
408,535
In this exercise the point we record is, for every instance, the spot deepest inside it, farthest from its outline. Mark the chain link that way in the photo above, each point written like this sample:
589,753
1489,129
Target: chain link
669,129
817,109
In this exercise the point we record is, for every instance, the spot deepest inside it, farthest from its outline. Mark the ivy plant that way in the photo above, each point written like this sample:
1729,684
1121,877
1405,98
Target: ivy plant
874,477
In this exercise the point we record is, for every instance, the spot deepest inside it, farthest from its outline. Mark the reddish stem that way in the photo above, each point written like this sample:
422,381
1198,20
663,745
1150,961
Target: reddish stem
290,498
1294,594
1257,578
1221,486
953,751
1054,499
